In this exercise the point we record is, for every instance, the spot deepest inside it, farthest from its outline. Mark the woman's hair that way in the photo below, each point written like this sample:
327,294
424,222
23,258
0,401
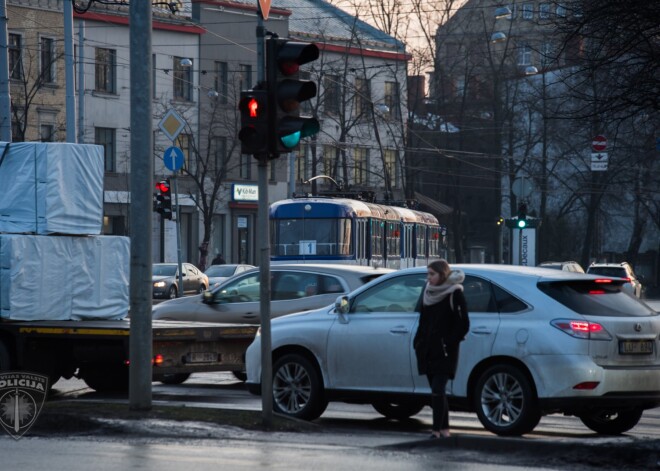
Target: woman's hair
440,266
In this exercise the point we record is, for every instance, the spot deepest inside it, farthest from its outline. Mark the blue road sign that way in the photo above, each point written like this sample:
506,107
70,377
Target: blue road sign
173,158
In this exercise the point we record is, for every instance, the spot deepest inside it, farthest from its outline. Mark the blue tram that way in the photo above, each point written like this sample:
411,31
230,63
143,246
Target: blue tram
339,230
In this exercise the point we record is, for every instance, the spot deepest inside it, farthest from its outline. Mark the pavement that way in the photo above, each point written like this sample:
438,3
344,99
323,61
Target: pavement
114,420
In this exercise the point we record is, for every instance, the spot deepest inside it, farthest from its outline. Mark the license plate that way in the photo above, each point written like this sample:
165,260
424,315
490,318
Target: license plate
635,347
201,357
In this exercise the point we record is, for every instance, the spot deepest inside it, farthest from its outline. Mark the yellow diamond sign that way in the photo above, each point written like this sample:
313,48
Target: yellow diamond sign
172,124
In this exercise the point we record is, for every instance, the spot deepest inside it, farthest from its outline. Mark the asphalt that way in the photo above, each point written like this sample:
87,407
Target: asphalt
115,420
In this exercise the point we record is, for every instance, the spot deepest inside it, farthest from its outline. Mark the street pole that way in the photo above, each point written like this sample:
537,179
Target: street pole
140,341
263,242
5,99
68,72
179,260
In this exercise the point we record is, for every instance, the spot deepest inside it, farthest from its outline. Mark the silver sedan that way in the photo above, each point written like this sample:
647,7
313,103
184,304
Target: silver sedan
294,288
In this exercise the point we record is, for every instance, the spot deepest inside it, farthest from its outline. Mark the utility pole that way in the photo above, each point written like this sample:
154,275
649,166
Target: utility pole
5,99
68,72
141,198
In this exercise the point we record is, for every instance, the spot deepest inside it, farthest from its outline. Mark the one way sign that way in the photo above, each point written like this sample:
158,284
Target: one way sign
599,161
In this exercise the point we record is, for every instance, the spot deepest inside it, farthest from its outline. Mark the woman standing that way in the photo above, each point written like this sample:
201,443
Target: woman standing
443,323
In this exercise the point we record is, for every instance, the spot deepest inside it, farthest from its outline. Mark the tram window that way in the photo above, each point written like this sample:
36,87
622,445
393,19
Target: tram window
292,237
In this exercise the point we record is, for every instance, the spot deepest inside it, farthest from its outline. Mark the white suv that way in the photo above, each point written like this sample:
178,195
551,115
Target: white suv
619,270
541,341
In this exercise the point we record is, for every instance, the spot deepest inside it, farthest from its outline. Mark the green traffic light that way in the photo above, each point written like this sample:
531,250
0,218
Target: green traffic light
290,140
522,223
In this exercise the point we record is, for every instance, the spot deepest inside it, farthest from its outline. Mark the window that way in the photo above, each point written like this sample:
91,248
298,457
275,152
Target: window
47,62
524,55
47,133
514,11
360,175
362,96
302,164
332,97
221,81
390,164
245,78
527,11
561,11
182,81
328,160
218,155
398,294
544,10
114,225
106,137
153,77
106,70
15,55
246,167
391,99
184,142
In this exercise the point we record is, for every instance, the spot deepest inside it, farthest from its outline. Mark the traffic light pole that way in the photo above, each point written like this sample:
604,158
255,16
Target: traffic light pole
179,262
263,242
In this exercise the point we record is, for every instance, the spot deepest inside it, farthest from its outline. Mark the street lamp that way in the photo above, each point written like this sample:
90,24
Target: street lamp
498,37
503,12
531,70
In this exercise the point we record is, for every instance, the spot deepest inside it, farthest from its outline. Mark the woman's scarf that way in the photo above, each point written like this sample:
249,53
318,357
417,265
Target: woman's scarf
435,294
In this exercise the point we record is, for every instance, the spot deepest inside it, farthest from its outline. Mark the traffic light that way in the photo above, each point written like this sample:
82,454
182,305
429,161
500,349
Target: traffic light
163,204
522,216
254,122
286,92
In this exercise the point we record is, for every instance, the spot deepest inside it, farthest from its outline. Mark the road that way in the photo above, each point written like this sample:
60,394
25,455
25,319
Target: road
222,390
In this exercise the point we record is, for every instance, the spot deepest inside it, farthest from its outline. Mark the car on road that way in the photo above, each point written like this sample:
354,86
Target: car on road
566,266
165,278
541,341
219,273
294,288
620,270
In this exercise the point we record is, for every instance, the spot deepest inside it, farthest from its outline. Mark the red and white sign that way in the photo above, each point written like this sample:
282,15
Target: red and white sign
264,7
599,143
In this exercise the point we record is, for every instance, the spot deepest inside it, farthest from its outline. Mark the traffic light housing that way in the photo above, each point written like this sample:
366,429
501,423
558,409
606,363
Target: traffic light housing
286,92
253,135
522,216
163,203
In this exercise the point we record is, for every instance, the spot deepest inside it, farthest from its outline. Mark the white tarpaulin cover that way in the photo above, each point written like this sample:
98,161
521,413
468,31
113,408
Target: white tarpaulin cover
51,188
63,277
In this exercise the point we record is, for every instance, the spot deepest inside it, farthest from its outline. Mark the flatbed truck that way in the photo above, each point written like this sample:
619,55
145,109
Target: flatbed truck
97,351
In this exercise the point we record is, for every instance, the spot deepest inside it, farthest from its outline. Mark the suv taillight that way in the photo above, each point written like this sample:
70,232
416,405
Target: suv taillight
582,329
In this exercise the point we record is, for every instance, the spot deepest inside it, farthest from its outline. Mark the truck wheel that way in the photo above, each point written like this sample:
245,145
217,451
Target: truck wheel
297,388
397,411
505,401
611,422
175,378
105,379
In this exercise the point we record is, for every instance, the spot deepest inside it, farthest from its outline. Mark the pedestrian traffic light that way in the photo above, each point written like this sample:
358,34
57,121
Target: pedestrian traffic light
522,216
253,135
163,203
286,92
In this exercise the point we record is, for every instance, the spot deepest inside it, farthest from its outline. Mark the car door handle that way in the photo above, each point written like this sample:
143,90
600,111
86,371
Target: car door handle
399,329
482,330
249,315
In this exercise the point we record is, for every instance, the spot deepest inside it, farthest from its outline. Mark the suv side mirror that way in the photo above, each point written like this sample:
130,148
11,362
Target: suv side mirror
207,297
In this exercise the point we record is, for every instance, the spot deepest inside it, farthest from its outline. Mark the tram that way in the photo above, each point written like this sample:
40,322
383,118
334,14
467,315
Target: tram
341,230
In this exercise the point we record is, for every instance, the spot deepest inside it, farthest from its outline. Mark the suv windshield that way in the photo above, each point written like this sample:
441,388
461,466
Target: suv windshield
596,299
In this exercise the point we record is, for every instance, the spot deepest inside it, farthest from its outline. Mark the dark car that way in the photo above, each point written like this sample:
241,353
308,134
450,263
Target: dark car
165,279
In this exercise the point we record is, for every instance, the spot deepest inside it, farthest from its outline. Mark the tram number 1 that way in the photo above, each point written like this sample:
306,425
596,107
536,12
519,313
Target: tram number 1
307,247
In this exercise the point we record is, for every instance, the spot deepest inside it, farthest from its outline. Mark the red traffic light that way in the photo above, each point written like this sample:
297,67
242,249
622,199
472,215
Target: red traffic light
163,186
253,107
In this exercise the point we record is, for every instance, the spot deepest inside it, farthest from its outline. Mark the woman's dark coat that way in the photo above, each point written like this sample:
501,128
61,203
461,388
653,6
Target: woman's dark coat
439,334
